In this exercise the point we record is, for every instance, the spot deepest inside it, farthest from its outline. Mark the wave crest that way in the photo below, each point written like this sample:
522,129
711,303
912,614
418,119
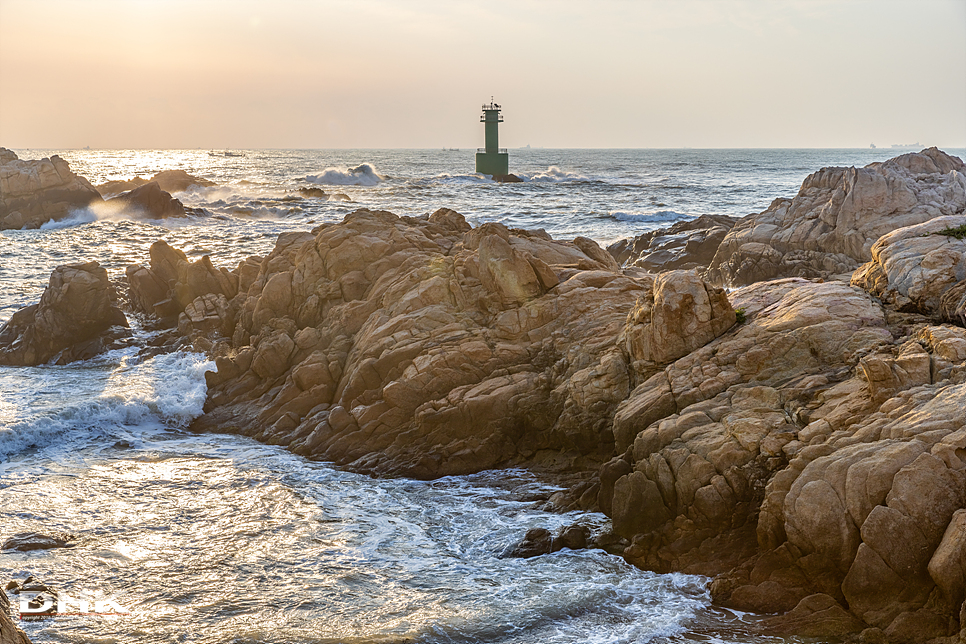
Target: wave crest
75,218
553,174
361,175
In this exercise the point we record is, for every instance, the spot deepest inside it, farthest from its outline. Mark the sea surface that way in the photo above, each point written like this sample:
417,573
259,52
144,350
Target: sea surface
211,538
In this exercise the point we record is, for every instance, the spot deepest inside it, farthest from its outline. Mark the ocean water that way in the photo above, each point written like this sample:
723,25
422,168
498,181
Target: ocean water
205,538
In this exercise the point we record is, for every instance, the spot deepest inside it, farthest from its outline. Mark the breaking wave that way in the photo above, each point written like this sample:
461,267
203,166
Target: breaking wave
553,174
54,404
77,217
362,175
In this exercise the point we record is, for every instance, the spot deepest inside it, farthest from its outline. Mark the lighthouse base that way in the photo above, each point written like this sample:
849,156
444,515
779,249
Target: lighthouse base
493,163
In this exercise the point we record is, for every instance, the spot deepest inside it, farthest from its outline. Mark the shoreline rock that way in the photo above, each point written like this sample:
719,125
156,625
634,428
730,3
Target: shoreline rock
72,321
167,180
423,347
829,227
148,201
689,244
34,192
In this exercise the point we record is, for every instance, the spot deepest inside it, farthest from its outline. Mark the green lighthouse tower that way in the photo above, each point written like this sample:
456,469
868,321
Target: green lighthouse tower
491,159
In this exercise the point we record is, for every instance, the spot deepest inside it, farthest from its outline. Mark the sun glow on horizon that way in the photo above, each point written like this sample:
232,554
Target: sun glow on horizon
378,74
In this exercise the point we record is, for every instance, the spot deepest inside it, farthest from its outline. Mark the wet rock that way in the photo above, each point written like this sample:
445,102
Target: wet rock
33,192
818,616
75,311
167,180
540,541
839,213
537,541
313,192
611,543
26,541
685,245
179,181
574,537
507,178
148,201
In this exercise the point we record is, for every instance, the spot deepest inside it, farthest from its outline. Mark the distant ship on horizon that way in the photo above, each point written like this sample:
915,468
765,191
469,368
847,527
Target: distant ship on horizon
907,146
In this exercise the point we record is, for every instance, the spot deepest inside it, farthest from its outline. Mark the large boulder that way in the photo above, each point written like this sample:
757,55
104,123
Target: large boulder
148,201
168,180
912,268
687,244
74,312
34,192
830,226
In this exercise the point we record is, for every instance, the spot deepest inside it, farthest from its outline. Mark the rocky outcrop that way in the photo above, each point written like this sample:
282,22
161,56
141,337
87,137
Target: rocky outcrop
689,244
192,295
700,438
540,541
167,180
913,268
34,192
27,541
71,321
149,201
424,347
810,459
829,228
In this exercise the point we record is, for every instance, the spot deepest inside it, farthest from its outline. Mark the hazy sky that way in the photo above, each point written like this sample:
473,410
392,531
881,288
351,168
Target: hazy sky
413,73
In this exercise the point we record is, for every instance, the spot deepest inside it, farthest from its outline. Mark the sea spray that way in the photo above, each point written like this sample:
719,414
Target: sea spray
361,175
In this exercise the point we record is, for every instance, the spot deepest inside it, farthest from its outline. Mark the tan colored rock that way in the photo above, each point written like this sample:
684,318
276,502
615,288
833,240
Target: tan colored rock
33,192
952,304
682,314
913,267
947,567
206,313
9,633
947,342
171,284
686,245
506,272
75,310
417,346
839,213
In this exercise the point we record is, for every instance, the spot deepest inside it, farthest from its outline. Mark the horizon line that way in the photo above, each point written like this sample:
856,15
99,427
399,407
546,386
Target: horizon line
473,149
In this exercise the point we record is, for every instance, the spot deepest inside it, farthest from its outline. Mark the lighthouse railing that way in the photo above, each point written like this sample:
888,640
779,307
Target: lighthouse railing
498,151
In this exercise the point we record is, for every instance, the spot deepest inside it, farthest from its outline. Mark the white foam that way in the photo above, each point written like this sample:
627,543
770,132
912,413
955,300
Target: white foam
76,217
553,174
361,175
55,404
